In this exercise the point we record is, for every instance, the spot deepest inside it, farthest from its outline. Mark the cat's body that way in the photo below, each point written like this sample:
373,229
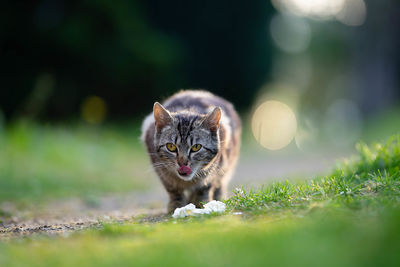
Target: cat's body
193,141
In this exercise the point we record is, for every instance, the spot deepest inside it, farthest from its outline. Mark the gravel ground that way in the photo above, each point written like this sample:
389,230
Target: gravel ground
64,217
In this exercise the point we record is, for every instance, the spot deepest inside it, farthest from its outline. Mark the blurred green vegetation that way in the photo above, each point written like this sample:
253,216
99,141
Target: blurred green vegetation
349,218
39,162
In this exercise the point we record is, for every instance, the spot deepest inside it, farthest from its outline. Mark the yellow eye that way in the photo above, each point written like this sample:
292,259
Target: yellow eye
196,147
171,147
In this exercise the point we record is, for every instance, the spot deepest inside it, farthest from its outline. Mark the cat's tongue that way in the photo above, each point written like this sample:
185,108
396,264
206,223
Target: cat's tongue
185,170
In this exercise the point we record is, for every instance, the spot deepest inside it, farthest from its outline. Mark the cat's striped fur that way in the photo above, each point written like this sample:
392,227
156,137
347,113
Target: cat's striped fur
186,119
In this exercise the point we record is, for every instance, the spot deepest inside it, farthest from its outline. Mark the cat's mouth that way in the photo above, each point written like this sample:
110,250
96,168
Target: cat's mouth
185,172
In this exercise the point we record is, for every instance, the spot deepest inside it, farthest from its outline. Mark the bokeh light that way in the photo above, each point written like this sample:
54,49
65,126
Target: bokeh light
274,124
94,110
353,13
321,9
291,34
349,12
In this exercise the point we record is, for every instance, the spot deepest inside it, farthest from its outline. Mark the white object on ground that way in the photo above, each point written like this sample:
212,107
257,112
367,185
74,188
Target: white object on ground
184,211
191,210
215,206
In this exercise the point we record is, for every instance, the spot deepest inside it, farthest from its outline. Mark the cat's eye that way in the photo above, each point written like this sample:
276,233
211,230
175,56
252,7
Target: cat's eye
171,147
196,147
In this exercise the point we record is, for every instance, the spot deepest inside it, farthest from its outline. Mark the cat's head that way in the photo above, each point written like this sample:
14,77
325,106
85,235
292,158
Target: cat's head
186,142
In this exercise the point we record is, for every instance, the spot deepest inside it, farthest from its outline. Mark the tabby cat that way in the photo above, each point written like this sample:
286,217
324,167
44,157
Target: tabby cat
193,141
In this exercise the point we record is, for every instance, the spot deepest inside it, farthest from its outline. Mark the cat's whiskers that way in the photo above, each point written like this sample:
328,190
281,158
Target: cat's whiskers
160,166
163,165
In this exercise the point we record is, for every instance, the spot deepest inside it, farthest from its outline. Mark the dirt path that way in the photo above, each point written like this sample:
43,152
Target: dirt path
66,216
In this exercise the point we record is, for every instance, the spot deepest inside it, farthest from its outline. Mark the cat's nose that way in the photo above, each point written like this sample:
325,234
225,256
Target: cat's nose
182,161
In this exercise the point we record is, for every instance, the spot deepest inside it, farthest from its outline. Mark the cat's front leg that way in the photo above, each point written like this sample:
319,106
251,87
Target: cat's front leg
219,192
201,195
176,200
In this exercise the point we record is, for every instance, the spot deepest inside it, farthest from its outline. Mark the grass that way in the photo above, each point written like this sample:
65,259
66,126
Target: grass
376,170
348,218
38,163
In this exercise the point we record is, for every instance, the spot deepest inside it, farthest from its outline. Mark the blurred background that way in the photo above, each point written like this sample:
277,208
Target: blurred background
77,78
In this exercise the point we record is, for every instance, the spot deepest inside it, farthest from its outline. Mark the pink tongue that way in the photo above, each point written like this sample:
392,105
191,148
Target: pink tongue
185,170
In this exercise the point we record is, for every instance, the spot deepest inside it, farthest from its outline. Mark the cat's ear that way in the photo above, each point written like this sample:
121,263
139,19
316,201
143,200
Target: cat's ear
211,121
162,116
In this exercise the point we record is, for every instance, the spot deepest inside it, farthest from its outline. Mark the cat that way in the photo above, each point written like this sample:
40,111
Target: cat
193,141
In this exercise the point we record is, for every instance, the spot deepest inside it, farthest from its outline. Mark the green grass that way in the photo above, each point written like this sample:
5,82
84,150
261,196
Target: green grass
38,163
349,218
377,169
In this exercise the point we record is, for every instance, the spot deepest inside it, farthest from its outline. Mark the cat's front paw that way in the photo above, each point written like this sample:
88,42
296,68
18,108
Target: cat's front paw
172,205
